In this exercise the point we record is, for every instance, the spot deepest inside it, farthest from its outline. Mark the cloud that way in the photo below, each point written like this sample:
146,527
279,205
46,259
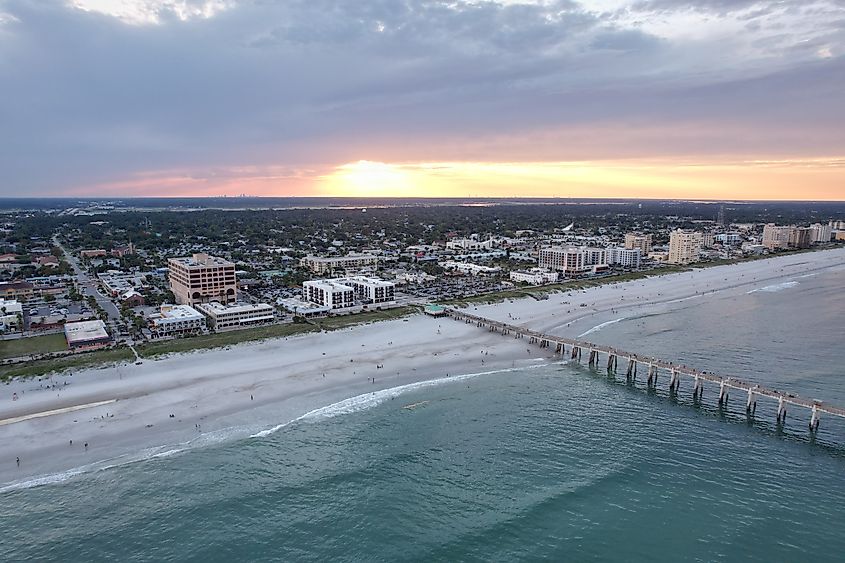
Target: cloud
98,95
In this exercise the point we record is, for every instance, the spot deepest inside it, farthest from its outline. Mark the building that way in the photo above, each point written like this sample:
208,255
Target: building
11,315
468,268
47,261
94,253
638,240
625,257
117,283
468,244
371,290
433,310
201,279
573,260
821,233
19,290
800,237
684,247
122,251
325,265
329,293
776,237
176,319
729,239
534,276
86,335
131,298
225,316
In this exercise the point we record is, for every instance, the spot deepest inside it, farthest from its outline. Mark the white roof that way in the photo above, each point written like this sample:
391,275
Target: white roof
218,308
84,331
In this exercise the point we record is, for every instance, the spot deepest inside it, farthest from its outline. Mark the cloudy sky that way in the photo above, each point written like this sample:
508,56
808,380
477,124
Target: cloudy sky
721,99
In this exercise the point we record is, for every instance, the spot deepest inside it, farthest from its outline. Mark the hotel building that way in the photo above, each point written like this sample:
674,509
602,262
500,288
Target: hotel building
201,279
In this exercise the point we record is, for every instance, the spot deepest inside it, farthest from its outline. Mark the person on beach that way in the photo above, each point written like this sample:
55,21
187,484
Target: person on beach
18,460
86,446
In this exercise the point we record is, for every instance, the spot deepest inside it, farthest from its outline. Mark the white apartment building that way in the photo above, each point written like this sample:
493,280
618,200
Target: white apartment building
328,293
573,260
729,239
684,247
469,268
775,236
625,257
638,240
11,315
371,290
534,276
225,316
468,244
176,319
201,279
821,233
324,265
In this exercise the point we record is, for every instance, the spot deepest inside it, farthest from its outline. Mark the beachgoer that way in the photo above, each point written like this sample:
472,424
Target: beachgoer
86,446
19,461
251,398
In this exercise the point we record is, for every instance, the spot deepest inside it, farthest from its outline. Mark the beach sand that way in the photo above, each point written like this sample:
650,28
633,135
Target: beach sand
124,412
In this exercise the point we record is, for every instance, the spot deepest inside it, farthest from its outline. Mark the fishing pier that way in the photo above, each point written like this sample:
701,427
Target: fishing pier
607,357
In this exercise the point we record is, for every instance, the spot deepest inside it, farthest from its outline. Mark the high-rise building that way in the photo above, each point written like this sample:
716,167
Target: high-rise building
800,237
329,293
821,233
776,237
625,257
684,246
638,240
201,279
572,260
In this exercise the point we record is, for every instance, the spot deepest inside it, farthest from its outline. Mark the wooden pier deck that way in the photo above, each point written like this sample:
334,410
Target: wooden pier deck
752,391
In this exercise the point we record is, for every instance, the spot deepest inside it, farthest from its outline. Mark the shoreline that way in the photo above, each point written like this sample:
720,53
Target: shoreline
251,388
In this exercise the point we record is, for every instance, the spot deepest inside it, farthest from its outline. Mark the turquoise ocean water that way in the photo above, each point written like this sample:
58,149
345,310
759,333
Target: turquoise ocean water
554,462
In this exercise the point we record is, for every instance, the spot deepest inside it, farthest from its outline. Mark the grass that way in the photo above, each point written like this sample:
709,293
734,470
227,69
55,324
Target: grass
336,323
33,345
76,361
221,339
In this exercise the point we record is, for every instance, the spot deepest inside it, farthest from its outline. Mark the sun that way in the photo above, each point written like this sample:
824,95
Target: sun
366,178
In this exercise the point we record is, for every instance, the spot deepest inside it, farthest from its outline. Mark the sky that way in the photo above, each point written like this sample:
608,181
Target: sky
715,99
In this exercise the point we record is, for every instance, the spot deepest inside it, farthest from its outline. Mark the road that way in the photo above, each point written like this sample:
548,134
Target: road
89,286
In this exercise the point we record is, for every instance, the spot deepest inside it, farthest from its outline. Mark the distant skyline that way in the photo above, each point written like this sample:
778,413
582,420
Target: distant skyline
675,99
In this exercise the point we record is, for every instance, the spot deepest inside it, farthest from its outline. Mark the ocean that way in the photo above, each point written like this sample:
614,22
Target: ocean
552,462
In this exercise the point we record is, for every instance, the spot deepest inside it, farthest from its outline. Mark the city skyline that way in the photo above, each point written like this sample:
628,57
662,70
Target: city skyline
613,98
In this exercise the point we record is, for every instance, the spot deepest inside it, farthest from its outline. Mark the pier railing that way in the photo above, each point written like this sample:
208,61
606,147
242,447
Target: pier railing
575,349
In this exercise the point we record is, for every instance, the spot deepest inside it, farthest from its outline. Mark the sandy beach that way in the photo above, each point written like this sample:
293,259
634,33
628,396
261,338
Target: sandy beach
134,412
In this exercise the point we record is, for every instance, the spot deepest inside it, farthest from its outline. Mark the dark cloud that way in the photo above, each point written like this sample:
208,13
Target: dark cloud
88,98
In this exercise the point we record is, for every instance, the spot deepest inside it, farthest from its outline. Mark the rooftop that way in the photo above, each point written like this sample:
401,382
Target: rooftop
85,331
201,260
218,308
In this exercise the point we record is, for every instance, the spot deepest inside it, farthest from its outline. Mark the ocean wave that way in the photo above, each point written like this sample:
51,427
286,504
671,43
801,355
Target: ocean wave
146,454
601,326
774,288
367,401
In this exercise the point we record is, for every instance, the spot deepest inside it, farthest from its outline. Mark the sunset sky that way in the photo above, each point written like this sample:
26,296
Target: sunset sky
717,99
